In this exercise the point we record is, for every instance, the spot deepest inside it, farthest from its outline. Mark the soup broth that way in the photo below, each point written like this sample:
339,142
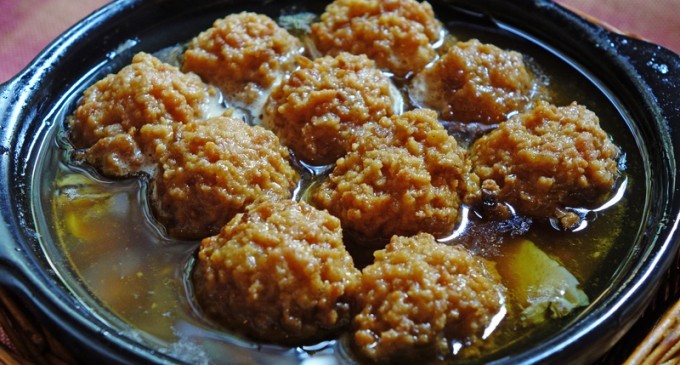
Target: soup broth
121,258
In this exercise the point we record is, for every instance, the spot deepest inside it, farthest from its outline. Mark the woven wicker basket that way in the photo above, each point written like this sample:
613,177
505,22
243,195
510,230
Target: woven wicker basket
662,344
24,340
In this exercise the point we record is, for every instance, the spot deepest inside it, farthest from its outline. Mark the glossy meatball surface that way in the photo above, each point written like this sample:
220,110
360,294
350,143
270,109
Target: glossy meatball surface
317,109
420,295
242,54
278,272
116,118
397,34
404,175
475,82
547,158
213,169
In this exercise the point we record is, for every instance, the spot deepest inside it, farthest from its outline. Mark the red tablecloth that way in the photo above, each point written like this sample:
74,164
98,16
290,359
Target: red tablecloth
27,26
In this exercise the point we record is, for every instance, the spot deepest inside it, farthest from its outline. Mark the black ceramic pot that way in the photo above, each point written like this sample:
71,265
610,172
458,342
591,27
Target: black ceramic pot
641,80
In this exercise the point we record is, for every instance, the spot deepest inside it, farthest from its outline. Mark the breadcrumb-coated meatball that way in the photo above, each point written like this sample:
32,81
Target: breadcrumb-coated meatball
420,295
547,158
475,82
404,175
316,110
278,272
116,112
213,169
242,54
397,34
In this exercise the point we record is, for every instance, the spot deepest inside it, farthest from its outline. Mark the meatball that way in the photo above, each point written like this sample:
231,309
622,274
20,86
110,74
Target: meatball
316,110
119,117
475,82
242,54
213,169
404,175
545,159
419,296
279,273
397,34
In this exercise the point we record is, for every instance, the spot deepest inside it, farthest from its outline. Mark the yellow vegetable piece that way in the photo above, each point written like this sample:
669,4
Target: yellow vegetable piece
540,284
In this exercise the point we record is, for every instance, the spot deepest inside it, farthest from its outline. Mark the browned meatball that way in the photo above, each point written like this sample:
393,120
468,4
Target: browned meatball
404,175
242,54
475,82
547,158
419,296
279,273
118,115
213,169
397,34
316,110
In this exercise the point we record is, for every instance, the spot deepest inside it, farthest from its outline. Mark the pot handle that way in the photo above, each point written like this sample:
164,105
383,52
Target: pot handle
7,98
8,109
658,68
4,95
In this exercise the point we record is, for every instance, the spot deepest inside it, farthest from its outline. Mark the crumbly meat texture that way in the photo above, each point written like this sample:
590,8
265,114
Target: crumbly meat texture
420,295
316,110
475,82
213,169
547,158
117,118
279,273
242,54
397,34
404,175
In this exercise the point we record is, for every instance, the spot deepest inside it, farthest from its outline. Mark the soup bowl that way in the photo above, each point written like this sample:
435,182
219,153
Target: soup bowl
639,80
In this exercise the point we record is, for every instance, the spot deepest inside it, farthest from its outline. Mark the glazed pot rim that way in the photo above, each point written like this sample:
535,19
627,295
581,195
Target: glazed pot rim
26,98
